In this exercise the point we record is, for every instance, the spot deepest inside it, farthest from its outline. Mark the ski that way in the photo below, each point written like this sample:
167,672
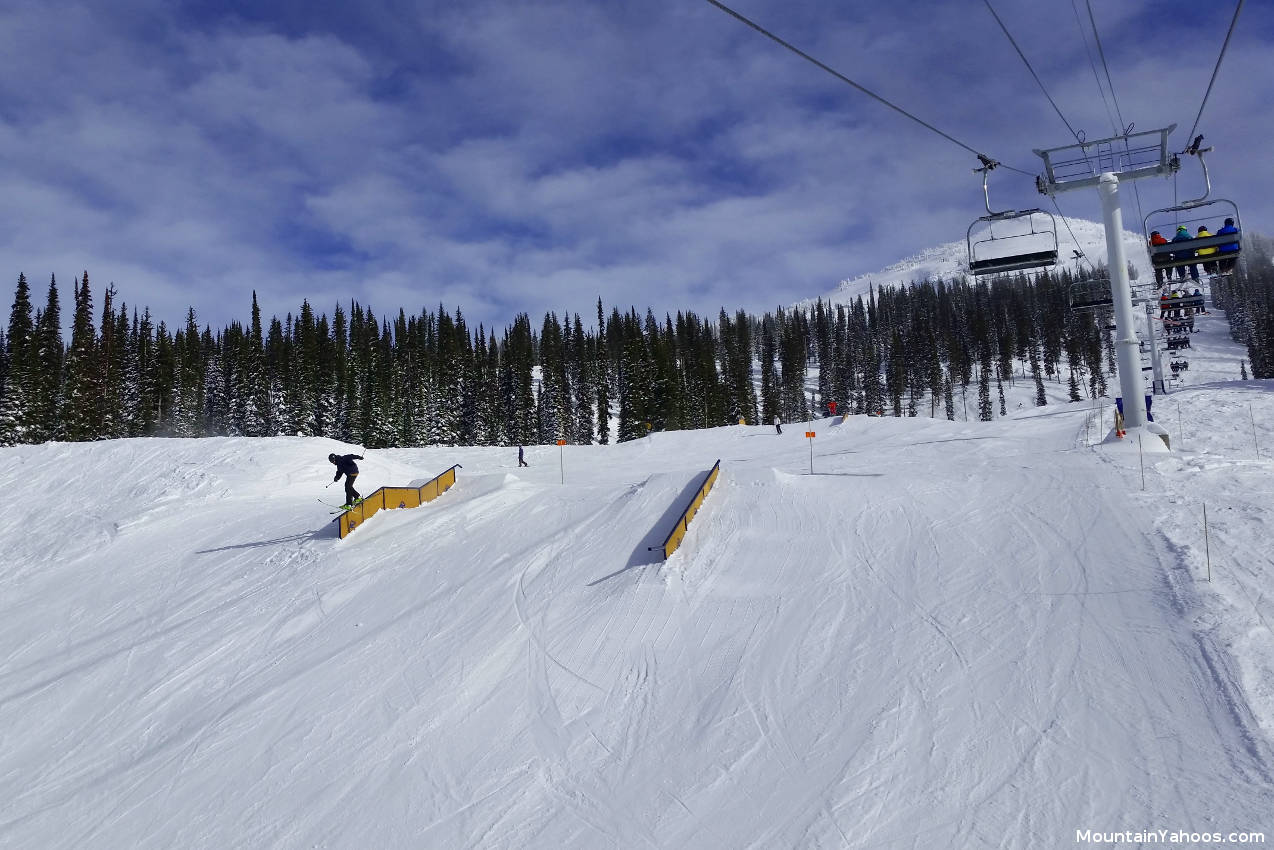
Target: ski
340,509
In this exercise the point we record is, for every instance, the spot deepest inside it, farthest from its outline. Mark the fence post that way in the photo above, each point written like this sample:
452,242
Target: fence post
1207,551
1254,441
1141,457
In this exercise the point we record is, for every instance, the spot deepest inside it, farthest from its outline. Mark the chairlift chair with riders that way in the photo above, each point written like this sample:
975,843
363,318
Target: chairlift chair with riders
1192,214
1034,249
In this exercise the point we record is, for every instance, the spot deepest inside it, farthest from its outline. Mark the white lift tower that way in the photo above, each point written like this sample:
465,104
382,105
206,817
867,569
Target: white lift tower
1103,163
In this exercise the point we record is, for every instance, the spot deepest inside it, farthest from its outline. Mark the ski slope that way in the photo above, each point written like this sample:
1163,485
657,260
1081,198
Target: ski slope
951,634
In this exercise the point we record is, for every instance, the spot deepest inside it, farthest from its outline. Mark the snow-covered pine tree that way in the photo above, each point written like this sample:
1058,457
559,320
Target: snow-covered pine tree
143,342
20,358
635,380
768,349
215,402
517,363
580,374
190,363
254,386
985,410
82,384
1037,375
110,354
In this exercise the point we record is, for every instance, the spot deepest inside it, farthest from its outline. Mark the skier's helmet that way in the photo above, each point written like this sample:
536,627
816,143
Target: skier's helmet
332,457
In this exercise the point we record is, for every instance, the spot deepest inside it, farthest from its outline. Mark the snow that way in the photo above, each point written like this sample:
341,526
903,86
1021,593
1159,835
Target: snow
951,634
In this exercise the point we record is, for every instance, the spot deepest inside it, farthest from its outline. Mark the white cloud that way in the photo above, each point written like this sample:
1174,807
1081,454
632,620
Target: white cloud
507,157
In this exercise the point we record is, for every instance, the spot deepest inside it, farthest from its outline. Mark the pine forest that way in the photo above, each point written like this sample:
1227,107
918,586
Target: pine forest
942,348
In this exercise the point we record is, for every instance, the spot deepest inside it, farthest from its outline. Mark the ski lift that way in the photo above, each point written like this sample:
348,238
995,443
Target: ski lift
1191,215
1091,294
1034,249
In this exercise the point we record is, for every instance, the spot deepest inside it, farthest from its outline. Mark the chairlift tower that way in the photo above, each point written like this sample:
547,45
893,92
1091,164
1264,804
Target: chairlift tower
1102,164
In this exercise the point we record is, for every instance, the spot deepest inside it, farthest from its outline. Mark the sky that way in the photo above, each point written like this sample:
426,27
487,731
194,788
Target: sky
856,644
507,157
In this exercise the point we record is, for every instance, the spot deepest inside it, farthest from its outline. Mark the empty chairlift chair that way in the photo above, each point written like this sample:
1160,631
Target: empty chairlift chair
1027,238
1091,295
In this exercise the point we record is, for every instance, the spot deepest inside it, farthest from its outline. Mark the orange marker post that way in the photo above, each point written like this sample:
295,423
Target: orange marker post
562,458
810,436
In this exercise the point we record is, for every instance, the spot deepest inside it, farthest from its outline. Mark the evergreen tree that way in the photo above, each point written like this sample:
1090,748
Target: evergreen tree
254,388
16,400
45,404
111,351
516,366
580,367
82,393
602,378
770,407
1037,375
149,389
984,390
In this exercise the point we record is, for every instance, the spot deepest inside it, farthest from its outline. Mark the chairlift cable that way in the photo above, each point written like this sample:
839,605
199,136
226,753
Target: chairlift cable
1092,63
845,79
1125,129
1216,70
1106,68
1065,221
1027,63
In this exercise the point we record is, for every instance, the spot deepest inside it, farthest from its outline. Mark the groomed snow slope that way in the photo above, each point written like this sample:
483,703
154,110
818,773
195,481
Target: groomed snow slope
951,635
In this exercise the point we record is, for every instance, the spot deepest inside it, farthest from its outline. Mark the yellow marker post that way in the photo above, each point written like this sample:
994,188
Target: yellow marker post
810,436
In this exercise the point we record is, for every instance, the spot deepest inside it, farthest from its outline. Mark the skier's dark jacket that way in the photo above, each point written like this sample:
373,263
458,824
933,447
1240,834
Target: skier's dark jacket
345,465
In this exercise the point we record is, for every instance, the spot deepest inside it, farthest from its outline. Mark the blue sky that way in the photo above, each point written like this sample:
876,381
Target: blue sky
503,157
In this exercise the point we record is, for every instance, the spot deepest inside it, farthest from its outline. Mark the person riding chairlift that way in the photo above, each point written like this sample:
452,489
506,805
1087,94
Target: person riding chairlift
1156,238
1225,265
1183,235
1208,267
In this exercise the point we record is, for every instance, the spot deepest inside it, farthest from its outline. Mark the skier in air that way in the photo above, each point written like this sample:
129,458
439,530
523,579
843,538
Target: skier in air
345,466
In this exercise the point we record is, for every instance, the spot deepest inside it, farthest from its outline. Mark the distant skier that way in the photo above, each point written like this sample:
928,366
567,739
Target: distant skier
778,427
345,466
522,458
